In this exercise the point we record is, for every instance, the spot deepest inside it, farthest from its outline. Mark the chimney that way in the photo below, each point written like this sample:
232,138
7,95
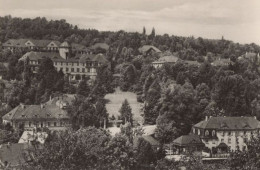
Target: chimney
206,118
42,106
50,98
22,105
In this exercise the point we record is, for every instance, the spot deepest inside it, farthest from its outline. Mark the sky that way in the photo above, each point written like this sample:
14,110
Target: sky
236,20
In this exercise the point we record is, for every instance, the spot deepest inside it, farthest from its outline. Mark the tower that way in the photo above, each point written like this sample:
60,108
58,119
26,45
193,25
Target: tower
65,50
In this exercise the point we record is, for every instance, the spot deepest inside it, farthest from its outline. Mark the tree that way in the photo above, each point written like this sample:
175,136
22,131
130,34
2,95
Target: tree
82,149
144,31
83,88
144,153
126,112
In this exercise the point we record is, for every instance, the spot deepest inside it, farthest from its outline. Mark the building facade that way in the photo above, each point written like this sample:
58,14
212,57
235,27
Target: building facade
52,115
233,132
76,67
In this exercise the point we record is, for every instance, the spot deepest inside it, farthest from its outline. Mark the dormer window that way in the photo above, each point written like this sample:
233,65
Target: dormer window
213,132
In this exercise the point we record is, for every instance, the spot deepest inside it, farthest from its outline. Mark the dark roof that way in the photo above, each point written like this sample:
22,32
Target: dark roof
15,42
13,154
146,48
151,140
222,145
189,62
82,58
35,56
229,123
78,47
188,140
25,112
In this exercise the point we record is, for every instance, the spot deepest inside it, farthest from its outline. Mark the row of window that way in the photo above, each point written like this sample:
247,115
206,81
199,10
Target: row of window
49,124
77,70
72,64
229,133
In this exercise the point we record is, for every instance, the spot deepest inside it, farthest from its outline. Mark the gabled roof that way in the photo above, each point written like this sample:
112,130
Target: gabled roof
25,112
15,43
147,48
100,58
32,55
188,140
229,123
151,140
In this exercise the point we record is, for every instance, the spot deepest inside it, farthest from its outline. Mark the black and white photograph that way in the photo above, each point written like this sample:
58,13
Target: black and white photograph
129,85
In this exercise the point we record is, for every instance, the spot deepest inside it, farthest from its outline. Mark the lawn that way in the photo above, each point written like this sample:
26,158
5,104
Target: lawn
116,99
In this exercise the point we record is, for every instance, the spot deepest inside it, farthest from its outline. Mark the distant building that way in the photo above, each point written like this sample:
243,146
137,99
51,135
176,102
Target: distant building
166,59
186,143
253,57
149,49
77,67
222,62
229,132
52,115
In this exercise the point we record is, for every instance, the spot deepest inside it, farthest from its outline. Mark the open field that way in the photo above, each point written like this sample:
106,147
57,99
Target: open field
116,99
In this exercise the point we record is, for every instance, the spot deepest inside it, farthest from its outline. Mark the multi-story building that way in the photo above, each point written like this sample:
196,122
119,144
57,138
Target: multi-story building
52,115
230,132
76,67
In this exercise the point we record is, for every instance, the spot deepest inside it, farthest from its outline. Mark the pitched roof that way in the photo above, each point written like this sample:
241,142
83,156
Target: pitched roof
186,140
151,140
35,112
146,48
78,47
229,123
15,42
32,55
100,58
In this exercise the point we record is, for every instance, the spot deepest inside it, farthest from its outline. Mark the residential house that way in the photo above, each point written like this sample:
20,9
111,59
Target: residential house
166,59
232,132
99,48
186,143
149,49
51,115
222,62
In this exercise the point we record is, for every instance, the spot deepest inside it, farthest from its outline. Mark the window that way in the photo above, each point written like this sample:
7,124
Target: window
61,123
213,141
213,132
67,64
229,140
72,64
49,124
55,123
77,64
83,70
198,131
244,132
30,124
41,124
207,133
61,69
194,130
55,63
88,70
78,70
61,63
72,69
222,140
229,133
67,69
245,140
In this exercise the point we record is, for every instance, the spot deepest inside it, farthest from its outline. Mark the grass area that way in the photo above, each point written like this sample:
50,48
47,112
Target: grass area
116,99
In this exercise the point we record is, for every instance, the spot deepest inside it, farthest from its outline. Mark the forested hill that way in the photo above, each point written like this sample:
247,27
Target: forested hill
41,28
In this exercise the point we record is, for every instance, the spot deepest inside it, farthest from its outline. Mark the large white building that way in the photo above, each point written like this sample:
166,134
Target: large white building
232,132
76,67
